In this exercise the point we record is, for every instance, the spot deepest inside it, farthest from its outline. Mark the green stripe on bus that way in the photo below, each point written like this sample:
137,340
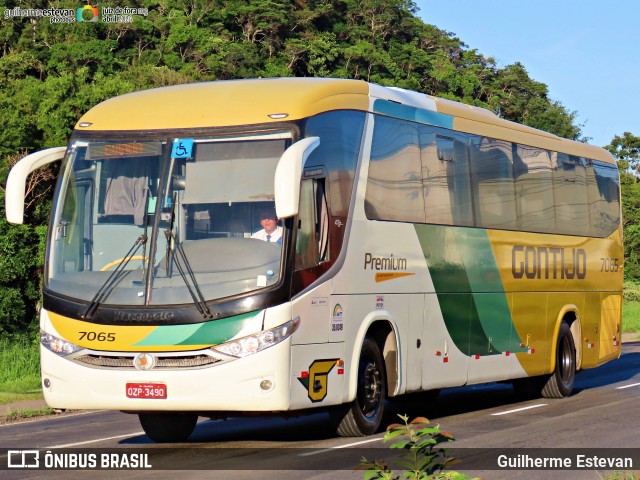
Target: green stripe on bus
208,333
461,319
488,291
470,292
413,114
451,282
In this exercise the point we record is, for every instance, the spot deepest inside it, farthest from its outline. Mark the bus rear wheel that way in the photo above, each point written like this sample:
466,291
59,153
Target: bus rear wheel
364,415
560,383
168,427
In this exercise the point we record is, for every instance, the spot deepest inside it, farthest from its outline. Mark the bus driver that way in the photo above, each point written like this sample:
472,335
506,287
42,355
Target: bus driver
271,231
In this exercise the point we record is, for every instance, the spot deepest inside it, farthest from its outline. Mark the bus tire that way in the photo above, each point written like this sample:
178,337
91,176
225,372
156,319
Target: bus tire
560,383
168,427
364,415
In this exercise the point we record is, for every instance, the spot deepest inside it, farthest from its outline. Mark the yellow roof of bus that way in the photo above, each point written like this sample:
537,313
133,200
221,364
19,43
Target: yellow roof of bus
246,102
226,103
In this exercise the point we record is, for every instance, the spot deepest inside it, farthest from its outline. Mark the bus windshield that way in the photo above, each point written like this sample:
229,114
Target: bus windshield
208,217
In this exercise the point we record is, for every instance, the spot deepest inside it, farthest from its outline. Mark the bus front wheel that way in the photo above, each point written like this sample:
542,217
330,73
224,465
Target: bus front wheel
168,427
364,415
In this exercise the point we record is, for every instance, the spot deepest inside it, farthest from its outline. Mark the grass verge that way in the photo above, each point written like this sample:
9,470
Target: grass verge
631,317
19,370
12,397
12,416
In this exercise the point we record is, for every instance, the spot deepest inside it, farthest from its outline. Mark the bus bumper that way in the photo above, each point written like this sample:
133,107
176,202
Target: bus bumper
256,383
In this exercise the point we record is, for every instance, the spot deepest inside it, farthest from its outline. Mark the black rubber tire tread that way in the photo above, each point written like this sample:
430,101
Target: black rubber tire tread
352,422
556,386
168,427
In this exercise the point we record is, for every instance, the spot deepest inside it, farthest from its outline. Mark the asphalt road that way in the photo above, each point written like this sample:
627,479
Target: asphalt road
603,413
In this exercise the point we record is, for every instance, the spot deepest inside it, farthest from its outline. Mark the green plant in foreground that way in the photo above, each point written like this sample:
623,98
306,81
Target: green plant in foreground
424,459
617,475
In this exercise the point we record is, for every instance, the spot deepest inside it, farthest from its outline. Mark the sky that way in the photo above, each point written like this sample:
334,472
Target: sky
587,52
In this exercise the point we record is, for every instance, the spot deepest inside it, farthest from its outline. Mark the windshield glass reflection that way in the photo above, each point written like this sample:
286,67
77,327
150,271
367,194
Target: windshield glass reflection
216,220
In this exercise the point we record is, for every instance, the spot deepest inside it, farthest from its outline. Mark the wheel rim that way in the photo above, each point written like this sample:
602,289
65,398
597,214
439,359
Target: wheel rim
565,366
370,391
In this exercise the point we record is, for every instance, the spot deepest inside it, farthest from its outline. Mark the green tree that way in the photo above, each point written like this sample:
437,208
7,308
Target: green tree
50,74
626,150
21,252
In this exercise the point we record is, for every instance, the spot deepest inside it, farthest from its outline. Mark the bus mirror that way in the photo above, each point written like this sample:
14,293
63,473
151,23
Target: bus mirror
289,174
17,180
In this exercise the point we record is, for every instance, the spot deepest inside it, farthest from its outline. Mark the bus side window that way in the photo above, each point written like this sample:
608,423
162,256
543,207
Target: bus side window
312,241
74,236
570,194
492,183
449,169
603,195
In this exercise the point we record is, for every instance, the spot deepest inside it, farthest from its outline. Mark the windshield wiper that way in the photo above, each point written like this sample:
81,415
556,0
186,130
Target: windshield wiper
116,276
182,264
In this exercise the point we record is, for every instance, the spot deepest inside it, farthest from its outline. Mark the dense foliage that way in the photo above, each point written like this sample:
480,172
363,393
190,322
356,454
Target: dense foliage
52,73
626,149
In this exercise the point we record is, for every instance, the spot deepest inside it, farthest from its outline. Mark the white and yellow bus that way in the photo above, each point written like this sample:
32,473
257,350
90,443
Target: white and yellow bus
425,244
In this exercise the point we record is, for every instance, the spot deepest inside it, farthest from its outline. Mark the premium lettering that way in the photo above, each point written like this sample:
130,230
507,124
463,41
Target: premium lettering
548,263
384,263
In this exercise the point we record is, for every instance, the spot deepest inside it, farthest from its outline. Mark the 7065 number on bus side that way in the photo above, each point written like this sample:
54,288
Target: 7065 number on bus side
609,265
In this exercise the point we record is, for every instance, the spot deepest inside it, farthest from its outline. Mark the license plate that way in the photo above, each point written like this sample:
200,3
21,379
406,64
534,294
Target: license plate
146,390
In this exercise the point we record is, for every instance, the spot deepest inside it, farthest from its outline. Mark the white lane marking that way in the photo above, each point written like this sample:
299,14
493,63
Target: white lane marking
340,446
627,386
506,412
96,440
46,417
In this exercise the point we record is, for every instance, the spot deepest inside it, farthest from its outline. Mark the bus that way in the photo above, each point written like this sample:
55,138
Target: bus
425,244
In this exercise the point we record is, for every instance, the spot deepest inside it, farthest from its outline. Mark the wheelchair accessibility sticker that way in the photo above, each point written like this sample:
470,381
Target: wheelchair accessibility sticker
182,148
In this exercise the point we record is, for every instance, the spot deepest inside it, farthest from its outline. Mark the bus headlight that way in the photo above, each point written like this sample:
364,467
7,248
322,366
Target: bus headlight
241,347
57,345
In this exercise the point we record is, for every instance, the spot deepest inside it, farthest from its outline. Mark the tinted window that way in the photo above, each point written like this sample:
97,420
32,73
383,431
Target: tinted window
340,135
570,194
603,193
454,178
394,190
534,189
335,160
445,173
493,184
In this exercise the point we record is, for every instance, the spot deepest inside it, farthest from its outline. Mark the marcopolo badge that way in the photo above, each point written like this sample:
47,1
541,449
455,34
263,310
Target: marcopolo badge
144,361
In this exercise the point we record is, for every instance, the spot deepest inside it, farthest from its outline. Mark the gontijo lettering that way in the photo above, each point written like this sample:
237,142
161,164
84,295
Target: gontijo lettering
548,262
384,263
